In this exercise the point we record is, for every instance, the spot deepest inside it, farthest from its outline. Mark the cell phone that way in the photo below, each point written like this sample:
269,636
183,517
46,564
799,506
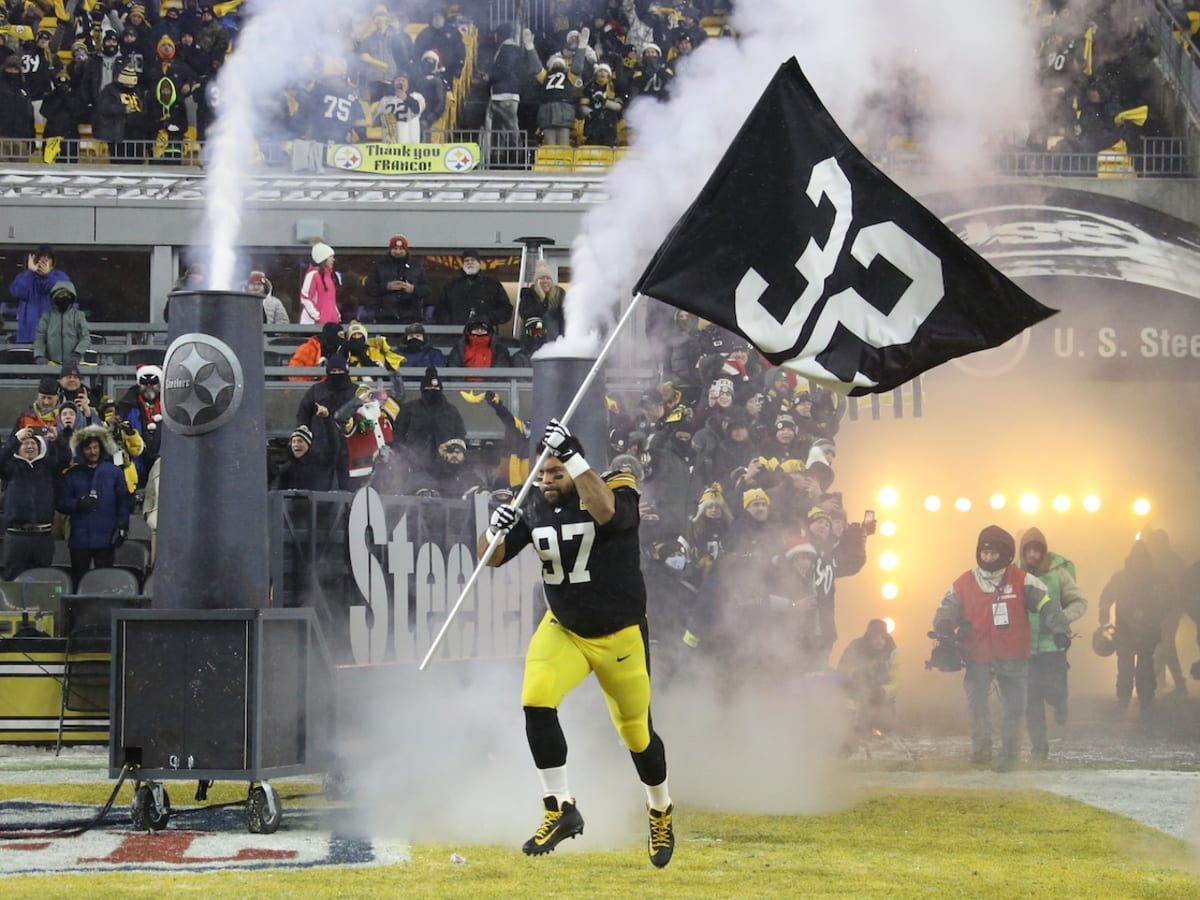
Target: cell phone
868,521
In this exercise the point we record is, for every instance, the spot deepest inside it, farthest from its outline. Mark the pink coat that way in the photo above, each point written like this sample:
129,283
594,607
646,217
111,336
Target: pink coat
318,296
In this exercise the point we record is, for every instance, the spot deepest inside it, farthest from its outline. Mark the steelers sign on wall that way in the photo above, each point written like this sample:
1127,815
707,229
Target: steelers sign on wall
202,384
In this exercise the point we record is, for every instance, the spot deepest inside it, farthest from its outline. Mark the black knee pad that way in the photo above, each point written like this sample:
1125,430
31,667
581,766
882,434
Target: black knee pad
547,742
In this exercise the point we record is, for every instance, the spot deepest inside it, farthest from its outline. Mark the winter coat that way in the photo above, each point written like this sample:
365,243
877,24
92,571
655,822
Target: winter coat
421,354
1058,576
311,472
308,355
547,306
318,296
121,115
16,112
94,529
486,352
62,336
32,293
29,485
396,305
274,312
422,425
468,298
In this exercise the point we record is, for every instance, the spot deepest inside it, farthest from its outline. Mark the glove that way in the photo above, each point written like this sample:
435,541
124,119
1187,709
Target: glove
691,640
1062,641
88,503
119,537
493,399
502,521
127,427
566,447
585,35
527,39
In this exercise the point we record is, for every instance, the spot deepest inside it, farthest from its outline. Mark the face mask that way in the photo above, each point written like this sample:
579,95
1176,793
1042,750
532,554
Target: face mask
339,379
357,346
62,301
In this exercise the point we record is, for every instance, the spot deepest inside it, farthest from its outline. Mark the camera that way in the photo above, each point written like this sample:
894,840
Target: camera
40,430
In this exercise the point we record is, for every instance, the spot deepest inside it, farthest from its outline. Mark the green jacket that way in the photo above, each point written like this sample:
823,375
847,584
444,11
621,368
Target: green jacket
1059,578
62,336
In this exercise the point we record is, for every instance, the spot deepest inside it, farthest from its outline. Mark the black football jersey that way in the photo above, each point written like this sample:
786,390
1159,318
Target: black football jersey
591,572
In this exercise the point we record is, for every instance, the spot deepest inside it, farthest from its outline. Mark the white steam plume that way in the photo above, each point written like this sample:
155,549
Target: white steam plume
271,52
965,72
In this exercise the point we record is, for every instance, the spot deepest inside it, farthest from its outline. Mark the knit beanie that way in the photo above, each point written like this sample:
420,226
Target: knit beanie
754,494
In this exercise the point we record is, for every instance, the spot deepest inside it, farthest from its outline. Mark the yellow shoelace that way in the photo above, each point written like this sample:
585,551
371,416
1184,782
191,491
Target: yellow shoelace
660,830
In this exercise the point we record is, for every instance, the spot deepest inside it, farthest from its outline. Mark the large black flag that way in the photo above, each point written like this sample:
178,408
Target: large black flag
798,243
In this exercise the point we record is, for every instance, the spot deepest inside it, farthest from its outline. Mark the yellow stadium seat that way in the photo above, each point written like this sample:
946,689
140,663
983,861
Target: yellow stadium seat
592,157
553,158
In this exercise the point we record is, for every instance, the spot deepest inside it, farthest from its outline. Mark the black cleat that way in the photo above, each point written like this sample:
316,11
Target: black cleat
557,825
662,836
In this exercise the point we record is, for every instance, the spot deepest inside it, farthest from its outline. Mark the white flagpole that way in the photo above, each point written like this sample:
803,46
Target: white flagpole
533,474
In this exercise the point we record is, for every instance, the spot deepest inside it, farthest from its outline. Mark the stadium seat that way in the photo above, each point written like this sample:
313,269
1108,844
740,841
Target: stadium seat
109,582
49,575
589,157
133,556
554,159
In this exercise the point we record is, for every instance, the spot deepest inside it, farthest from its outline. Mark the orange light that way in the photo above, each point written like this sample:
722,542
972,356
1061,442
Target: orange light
889,591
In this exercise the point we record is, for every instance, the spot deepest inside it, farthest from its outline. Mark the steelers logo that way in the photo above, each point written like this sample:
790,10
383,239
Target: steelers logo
202,384
459,158
347,156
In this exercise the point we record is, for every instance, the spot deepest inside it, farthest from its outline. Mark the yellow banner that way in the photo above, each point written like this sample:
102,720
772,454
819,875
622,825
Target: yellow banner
402,159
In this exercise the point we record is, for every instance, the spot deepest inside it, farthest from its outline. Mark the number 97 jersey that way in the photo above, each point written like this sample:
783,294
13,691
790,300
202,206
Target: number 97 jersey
592,574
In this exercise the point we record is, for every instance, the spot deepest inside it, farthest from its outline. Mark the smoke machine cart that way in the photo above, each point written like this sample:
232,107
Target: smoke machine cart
218,695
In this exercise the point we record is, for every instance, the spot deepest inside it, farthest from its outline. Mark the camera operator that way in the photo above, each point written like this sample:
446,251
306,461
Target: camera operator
989,606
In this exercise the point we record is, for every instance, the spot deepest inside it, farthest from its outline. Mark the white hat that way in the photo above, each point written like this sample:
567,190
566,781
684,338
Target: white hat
321,252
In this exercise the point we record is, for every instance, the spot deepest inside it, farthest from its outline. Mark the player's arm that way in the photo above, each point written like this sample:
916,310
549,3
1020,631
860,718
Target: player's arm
595,494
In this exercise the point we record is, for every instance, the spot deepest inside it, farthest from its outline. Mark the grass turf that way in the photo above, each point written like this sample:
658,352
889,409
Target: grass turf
898,843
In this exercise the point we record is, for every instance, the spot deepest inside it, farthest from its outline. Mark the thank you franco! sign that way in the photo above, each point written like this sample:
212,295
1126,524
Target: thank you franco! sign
403,159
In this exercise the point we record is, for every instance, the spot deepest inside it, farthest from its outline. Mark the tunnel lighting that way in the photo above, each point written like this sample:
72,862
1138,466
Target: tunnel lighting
887,560
963,504
1141,506
1028,503
1091,503
888,497
889,591
891,624
997,501
1061,503
932,503
887,528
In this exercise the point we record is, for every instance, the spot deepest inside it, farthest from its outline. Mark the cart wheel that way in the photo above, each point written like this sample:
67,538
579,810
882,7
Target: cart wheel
337,782
145,814
259,818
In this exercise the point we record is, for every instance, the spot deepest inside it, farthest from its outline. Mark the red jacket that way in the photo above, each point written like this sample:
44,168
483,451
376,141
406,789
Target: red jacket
999,621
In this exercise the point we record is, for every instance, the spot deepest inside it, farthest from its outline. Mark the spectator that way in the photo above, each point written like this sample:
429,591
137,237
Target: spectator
212,36
669,470
136,52
513,467
31,291
451,476
556,102
29,467
432,88
141,407
364,351
170,23
398,112
332,108
305,469
318,291
418,352
122,119
314,352
544,299
72,388
992,600
366,421
509,69
479,348
38,63
653,75
384,51
102,70
869,666
318,409
533,338
63,335
426,423
94,495
43,412
1139,592
274,312
170,122
444,38
63,108
600,107
128,441
1048,662
836,558
473,295
398,286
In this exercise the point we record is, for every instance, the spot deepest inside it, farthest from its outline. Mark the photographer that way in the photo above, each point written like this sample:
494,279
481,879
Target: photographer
989,606
29,467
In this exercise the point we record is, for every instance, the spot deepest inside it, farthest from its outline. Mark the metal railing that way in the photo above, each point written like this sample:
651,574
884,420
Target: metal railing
1156,157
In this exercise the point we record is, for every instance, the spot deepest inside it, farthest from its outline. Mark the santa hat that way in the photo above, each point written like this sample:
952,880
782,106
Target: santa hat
148,373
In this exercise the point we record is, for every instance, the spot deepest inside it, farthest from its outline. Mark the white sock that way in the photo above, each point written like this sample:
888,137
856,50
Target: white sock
658,796
554,784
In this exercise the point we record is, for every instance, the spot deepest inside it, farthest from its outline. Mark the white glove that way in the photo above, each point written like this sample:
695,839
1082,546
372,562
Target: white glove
585,34
527,38
559,440
502,521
